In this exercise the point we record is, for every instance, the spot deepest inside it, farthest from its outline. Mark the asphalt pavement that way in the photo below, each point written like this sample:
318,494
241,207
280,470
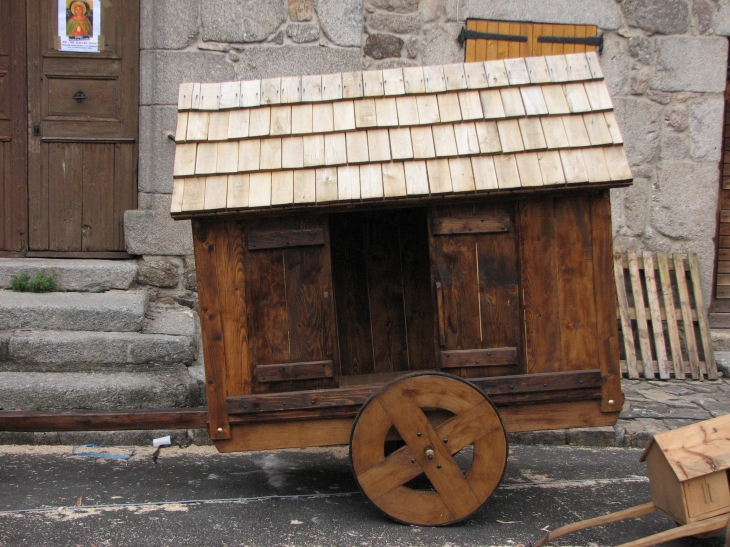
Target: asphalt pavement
196,497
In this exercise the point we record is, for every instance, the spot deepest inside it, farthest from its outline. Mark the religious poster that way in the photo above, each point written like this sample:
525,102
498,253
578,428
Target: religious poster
79,25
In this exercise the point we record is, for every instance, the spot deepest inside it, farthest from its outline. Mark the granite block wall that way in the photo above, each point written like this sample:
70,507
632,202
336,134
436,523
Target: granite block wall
665,63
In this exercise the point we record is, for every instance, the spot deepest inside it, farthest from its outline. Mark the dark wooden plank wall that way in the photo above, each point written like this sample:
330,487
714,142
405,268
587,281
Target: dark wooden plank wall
567,293
381,277
13,140
479,281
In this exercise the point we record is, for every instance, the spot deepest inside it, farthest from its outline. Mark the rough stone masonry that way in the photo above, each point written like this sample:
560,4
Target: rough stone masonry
665,63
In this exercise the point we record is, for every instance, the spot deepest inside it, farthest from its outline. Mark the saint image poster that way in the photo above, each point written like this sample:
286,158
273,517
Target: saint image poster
79,25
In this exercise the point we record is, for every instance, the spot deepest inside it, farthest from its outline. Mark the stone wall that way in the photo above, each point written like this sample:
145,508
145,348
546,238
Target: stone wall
665,63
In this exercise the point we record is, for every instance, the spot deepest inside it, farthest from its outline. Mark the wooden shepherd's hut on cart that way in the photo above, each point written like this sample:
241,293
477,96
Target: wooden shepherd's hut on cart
413,261
353,229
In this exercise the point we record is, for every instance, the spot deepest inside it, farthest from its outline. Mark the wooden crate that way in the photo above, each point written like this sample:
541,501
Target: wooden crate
668,335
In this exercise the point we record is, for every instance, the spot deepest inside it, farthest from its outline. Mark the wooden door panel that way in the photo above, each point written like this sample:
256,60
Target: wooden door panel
13,139
289,300
100,103
475,273
83,162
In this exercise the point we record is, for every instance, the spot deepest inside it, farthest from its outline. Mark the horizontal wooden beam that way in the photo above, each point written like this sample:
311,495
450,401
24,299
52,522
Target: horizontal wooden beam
105,420
491,357
286,372
285,238
472,225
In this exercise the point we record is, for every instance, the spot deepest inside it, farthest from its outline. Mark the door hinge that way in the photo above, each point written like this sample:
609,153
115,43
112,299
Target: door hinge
37,130
465,35
587,41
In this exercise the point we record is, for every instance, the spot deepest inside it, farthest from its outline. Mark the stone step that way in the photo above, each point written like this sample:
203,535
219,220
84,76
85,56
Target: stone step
722,358
73,275
171,387
121,311
83,350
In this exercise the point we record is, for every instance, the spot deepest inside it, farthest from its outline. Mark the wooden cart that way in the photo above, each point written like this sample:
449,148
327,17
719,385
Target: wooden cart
446,229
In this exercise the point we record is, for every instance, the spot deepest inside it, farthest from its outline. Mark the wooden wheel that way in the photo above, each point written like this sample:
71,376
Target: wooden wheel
413,406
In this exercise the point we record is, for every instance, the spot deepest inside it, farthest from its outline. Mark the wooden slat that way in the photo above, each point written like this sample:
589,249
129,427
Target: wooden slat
462,177
393,83
595,164
672,328
198,126
292,152
322,118
365,113
400,143
270,154
684,303
206,158
533,100
335,151
558,68
575,95
258,241
227,157
230,95
444,140
449,109
301,119
237,191
407,111
551,168
305,186
626,329
194,194
185,155
280,120
291,89
467,141
259,192
510,136
386,113
348,182
216,191
656,321
287,372
422,140
394,180
496,73
529,169
413,79
371,181
538,70
282,187
478,358
378,145
209,96
618,163
238,121
492,104
434,79
196,96
416,177
554,132
640,306
439,176
351,85
312,88
578,67
488,137
332,87
357,146
182,127
555,99
326,179
428,110
372,83
598,96
476,76
218,126
597,129
517,73
176,201
512,102
485,177
532,135
185,96
313,150
506,168
471,106
250,93
249,153
344,115
575,130
707,350
455,76
593,64
486,224
573,166
271,91
259,122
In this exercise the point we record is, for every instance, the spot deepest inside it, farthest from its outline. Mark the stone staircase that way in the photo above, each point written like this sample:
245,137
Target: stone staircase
105,342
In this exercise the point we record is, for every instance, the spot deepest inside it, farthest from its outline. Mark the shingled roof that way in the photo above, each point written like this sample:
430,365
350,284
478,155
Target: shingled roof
396,134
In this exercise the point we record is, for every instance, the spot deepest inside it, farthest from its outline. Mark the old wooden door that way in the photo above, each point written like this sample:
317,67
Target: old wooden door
82,152
475,276
13,205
